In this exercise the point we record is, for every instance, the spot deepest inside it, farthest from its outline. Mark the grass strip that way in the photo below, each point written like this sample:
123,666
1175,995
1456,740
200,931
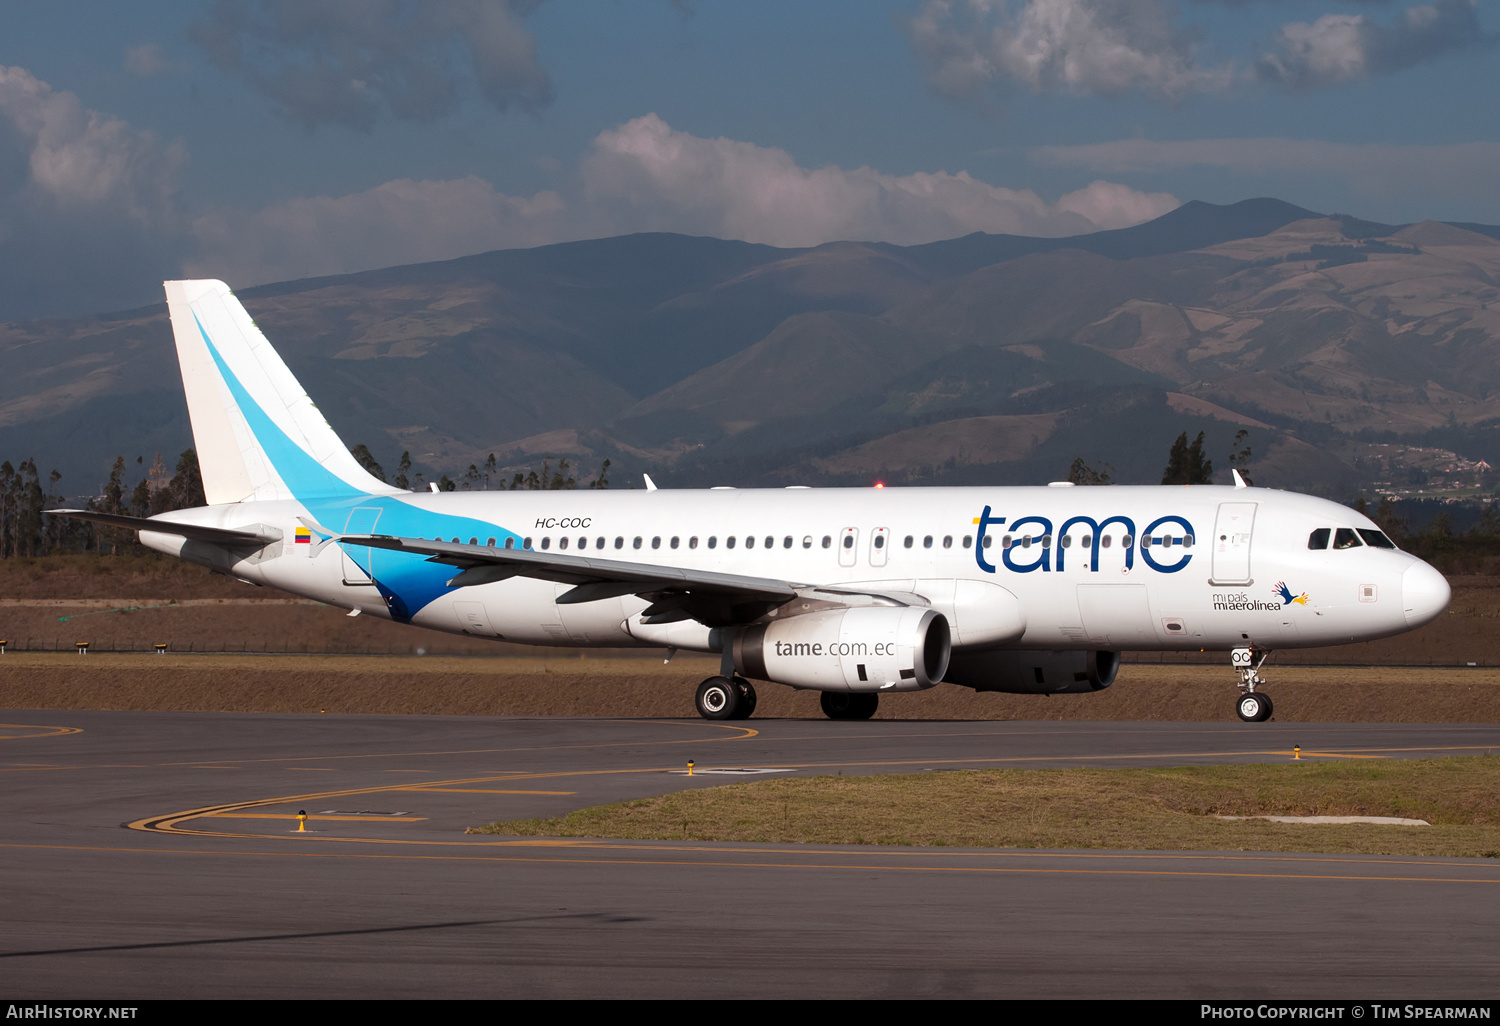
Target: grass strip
1138,808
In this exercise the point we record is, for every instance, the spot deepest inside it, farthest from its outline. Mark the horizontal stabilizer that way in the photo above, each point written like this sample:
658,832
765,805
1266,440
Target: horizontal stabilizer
218,535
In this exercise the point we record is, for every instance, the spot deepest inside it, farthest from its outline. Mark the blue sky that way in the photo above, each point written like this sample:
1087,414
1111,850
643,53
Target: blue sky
260,140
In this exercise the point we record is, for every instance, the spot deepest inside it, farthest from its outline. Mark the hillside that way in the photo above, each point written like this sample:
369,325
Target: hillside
983,358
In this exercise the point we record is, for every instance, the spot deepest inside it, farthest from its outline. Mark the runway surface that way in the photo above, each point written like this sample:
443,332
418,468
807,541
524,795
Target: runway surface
154,855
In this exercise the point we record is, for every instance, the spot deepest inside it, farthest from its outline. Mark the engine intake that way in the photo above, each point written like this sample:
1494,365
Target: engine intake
1034,673
867,648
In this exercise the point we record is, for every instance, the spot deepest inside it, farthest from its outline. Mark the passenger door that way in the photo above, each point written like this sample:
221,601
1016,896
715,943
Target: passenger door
1231,542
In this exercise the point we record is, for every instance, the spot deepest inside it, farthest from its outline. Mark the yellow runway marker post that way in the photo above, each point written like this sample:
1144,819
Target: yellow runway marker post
301,821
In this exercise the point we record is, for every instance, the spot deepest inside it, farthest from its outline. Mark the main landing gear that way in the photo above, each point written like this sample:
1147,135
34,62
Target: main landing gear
1253,706
842,705
725,698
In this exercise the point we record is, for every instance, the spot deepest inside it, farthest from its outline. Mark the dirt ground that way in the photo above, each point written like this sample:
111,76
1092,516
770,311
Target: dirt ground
130,604
631,687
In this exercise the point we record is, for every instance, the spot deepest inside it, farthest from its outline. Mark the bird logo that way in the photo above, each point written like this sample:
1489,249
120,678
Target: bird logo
1287,598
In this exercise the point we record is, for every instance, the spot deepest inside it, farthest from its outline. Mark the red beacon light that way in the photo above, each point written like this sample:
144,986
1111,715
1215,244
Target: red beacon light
879,484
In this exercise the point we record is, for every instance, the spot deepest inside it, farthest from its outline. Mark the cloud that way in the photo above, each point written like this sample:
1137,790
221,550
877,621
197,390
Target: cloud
641,176
91,218
1339,48
1457,171
399,222
1084,47
85,201
646,176
335,62
146,60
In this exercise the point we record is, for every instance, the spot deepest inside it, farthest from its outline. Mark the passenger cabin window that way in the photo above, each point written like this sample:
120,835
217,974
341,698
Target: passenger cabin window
988,540
880,541
968,541
927,542
491,543
728,542
526,544
771,542
637,543
674,541
562,543
827,540
947,541
807,541
1376,539
786,542
848,541
473,541
713,541
510,543
693,542
547,543
656,542
908,541
1345,538
619,542
1319,538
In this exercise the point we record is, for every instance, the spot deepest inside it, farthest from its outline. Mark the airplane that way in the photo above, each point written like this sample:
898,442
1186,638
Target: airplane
852,592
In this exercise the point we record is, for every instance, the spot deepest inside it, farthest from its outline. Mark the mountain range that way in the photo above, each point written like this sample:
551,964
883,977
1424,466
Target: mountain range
987,358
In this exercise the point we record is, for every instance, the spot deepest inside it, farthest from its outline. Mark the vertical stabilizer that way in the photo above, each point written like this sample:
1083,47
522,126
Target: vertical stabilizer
257,433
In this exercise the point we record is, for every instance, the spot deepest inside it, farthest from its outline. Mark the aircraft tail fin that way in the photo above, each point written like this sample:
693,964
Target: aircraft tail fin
257,433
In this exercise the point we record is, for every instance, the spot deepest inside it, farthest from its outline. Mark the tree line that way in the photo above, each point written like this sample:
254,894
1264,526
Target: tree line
1186,464
488,477
27,531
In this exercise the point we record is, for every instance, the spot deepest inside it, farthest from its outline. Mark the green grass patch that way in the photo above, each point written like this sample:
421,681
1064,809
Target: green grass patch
1166,808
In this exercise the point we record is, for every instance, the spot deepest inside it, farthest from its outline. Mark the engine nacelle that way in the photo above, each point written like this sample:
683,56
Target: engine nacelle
1034,673
866,648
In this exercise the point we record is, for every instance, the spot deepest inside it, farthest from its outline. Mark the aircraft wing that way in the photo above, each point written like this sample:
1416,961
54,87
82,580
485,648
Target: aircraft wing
675,593
197,532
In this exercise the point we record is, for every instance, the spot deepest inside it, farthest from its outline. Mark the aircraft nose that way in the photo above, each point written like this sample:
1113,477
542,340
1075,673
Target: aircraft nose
1424,594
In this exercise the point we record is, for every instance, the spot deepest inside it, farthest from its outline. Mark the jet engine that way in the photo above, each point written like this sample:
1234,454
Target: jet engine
866,648
1034,673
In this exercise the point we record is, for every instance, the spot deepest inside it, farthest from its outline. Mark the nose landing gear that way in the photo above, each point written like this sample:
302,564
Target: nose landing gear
1253,706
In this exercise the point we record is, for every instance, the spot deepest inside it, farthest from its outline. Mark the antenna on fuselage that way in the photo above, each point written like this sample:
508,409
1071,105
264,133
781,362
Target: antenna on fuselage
1239,482
650,484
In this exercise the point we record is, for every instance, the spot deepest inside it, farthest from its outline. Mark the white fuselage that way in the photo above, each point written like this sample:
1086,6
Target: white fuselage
1223,567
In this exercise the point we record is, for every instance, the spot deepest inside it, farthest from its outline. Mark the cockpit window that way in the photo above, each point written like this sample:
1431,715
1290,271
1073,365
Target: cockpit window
1376,539
1345,538
1319,538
